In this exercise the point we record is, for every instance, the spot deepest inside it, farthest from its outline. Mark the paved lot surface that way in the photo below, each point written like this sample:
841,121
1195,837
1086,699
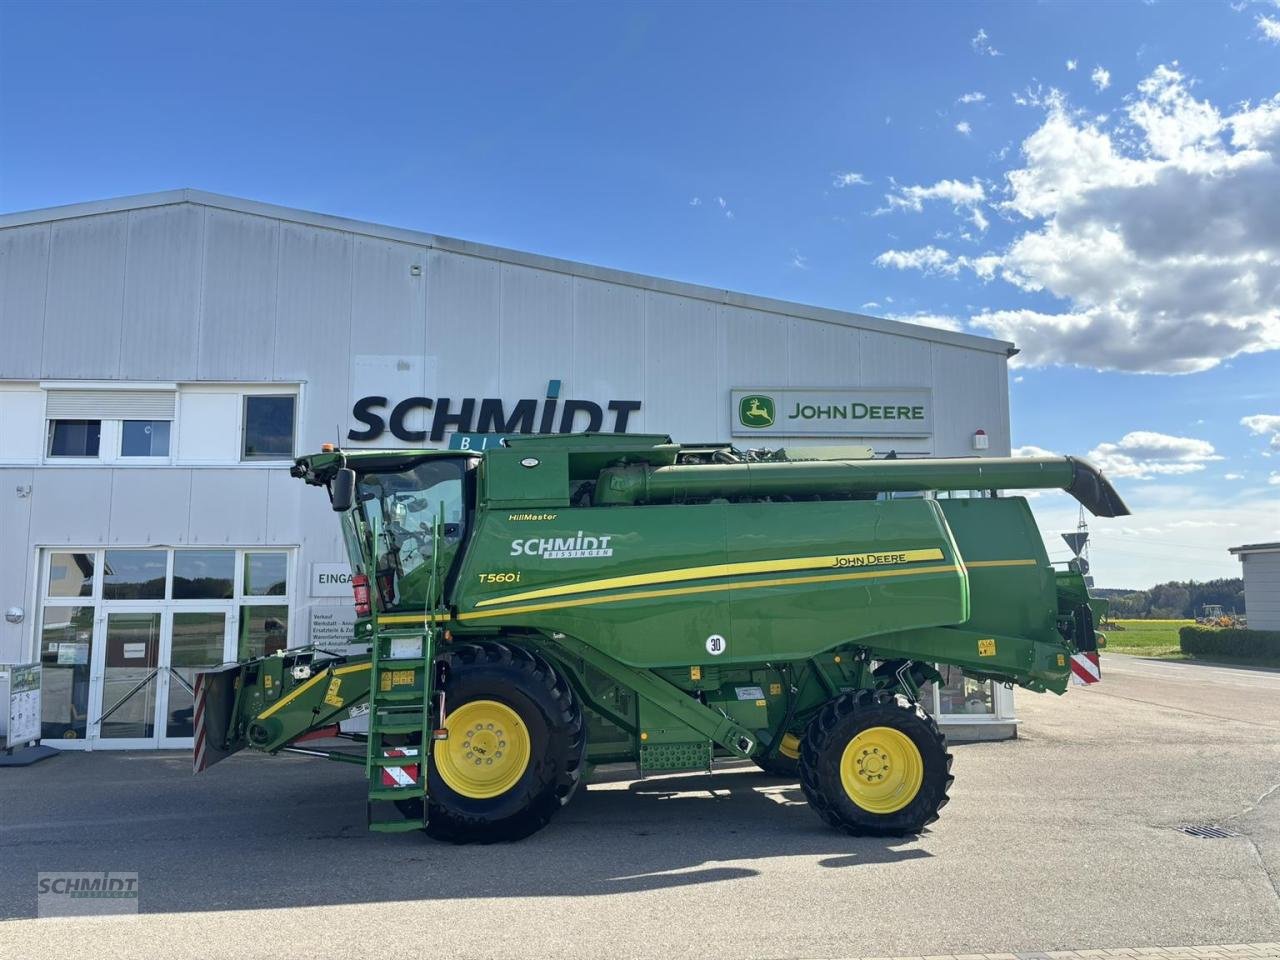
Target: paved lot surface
1064,840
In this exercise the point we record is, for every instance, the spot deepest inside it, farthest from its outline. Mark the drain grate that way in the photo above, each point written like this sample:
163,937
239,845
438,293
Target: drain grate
1207,831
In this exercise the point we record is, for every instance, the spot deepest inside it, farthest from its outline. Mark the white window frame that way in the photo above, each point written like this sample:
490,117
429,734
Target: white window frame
151,461
268,390
291,599
111,439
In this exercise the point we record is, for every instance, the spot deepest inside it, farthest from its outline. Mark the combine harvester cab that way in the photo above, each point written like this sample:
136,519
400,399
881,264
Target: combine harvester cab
564,601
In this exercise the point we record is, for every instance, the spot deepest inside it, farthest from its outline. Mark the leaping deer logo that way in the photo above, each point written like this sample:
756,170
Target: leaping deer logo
756,411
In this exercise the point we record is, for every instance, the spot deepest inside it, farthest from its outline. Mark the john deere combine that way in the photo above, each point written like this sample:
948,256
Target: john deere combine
565,601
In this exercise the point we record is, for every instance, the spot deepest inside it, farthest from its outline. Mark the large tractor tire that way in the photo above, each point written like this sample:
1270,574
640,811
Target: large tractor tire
515,751
874,764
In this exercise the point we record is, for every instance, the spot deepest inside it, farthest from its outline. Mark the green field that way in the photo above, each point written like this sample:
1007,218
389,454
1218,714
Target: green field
1146,638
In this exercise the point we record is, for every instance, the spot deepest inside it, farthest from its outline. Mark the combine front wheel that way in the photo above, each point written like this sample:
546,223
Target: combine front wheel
874,765
515,748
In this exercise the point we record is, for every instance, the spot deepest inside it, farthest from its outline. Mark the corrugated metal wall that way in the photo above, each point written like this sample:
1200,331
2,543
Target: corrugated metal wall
190,292
1262,590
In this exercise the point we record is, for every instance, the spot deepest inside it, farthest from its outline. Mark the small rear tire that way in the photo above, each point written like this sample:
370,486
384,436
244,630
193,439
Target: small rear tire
785,761
875,764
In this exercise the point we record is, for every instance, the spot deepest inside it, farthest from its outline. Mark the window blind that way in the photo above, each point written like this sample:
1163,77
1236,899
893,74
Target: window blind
110,404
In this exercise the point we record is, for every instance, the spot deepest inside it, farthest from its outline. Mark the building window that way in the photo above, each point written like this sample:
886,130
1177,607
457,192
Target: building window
123,631
268,427
203,574
74,438
144,438
266,574
964,695
134,575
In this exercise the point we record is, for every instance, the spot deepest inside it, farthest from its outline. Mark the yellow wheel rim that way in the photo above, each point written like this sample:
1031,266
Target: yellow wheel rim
881,770
487,751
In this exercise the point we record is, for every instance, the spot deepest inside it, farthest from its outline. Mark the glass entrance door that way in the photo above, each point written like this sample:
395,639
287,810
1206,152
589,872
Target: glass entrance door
199,641
129,678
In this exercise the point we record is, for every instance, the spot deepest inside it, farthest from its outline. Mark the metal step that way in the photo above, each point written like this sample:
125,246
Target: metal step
395,826
398,793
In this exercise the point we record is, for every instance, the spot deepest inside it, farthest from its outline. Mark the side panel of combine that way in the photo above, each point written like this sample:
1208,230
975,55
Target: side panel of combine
1011,584
872,567
619,577
652,585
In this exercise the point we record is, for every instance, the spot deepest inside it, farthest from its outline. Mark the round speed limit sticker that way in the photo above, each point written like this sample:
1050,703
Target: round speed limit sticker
716,645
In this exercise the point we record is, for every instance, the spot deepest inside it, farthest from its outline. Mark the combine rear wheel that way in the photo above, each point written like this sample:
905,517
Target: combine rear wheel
515,748
873,764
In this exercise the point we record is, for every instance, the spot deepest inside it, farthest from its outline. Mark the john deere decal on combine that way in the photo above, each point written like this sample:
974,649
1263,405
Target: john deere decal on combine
571,600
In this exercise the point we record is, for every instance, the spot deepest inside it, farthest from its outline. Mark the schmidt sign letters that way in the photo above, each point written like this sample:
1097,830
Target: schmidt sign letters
838,412
487,415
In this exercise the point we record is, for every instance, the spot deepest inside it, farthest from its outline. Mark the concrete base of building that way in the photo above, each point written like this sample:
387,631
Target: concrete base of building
980,732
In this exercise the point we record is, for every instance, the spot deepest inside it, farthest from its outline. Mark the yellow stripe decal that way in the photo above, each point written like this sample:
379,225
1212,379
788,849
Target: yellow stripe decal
878,558
705,588
297,692
702,588
414,618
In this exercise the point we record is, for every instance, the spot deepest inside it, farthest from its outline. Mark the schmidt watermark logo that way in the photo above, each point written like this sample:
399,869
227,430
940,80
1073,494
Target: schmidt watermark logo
86,894
756,410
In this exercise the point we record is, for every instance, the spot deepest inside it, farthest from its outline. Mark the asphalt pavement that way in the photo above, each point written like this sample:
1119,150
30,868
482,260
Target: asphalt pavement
1066,839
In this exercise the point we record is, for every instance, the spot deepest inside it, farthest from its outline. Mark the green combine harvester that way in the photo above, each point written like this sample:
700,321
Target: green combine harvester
565,601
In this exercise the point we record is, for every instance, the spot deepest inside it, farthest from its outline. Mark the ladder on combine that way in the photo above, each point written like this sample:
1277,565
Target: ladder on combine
402,709
400,712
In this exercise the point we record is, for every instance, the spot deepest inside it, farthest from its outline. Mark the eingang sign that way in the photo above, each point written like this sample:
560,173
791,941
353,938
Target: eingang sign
837,412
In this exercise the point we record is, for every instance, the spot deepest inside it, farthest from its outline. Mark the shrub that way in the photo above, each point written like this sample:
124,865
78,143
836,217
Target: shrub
1198,641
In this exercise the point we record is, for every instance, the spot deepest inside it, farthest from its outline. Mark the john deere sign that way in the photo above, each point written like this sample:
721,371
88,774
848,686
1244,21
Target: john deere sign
839,412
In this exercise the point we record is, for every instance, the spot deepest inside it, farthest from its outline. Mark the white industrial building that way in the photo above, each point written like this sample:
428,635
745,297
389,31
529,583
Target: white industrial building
165,356
1260,563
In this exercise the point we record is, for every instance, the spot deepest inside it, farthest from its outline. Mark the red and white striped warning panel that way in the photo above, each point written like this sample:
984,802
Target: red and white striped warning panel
405,776
198,758
1085,668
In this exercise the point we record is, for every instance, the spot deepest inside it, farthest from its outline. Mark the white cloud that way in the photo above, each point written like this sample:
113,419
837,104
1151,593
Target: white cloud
1264,425
695,202
1145,454
1101,78
1032,451
850,179
1269,27
956,192
930,259
1072,64
1158,232
981,44
936,320
1274,479
721,201
963,128
974,97
1233,476
799,261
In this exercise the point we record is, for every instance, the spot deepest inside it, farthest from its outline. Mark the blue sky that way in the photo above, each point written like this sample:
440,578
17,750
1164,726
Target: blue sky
1098,182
